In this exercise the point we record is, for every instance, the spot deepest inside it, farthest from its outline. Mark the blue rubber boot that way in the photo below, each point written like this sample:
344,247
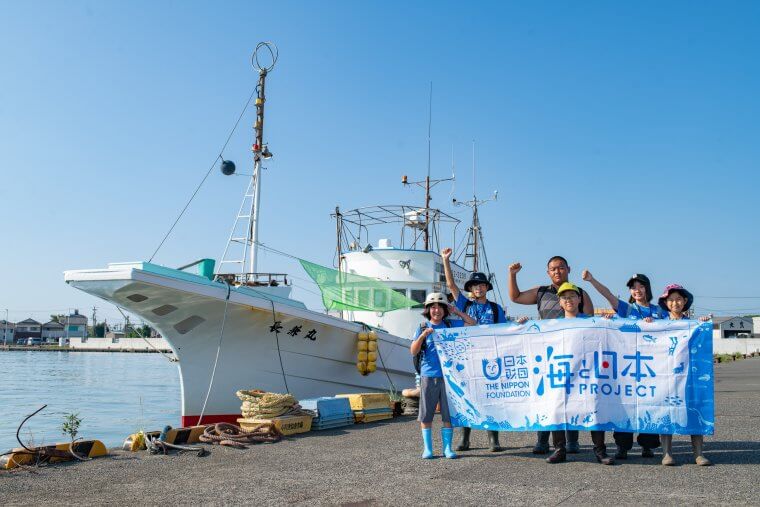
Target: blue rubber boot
427,441
446,435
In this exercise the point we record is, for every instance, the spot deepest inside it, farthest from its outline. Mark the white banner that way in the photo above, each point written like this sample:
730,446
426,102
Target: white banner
585,374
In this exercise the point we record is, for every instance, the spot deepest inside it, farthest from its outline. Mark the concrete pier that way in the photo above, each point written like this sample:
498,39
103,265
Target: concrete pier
379,464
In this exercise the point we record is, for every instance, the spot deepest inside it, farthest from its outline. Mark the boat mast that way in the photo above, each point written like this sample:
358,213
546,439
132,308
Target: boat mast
474,232
245,230
427,184
258,128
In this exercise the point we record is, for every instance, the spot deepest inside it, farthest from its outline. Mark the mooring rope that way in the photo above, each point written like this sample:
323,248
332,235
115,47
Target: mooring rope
218,351
234,436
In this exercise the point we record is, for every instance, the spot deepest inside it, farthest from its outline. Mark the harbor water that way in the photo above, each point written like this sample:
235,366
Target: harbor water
114,394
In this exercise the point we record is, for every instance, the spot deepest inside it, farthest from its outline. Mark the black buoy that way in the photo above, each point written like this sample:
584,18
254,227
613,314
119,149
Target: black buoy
228,167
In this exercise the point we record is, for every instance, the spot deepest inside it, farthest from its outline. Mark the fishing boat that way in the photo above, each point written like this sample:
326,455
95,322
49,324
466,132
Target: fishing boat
233,327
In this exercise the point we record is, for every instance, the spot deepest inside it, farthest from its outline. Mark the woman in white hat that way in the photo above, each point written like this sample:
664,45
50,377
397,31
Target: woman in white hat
432,388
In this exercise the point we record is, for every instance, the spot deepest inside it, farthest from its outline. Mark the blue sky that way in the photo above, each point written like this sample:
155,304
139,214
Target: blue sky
623,137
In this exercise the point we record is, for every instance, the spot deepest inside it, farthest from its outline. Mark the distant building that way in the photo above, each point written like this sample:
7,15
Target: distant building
7,330
28,328
75,325
114,334
51,331
736,327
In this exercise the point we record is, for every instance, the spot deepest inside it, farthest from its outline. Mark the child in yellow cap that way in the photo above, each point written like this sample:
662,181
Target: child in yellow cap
569,299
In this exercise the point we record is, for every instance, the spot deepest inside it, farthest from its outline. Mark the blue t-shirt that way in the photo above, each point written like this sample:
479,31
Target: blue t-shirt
431,364
481,312
636,311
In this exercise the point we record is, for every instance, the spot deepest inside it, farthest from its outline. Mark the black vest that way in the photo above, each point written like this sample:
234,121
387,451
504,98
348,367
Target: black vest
547,303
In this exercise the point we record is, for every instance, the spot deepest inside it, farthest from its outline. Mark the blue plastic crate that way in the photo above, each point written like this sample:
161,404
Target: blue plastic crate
335,423
328,407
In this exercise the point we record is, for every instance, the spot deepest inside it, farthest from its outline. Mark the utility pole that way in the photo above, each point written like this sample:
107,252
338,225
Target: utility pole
94,321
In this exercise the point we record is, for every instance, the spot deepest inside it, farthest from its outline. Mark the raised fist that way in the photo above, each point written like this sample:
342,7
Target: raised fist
586,275
446,253
515,268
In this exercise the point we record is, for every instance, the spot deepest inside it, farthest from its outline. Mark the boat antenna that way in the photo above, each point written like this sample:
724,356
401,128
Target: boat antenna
427,183
245,230
475,248
430,125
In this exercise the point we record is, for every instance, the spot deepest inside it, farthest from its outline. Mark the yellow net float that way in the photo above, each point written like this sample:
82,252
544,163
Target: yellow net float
371,366
363,336
371,356
372,336
362,367
363,356
371,346
362,346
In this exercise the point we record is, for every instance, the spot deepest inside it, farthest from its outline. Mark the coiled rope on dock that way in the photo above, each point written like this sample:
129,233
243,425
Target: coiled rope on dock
264,405
234,436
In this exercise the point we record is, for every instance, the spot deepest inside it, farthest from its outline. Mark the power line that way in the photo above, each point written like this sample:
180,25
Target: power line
728,297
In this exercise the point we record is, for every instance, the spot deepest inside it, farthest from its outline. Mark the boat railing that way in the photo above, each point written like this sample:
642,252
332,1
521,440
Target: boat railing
254,279
419,227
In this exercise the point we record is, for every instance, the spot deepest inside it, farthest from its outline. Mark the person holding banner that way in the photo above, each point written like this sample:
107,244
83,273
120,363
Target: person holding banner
546,299
676,300
638,307
432,388
569,299
484,312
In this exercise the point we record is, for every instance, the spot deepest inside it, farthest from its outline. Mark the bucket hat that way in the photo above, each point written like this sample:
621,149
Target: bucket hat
674,287
476,278
436,298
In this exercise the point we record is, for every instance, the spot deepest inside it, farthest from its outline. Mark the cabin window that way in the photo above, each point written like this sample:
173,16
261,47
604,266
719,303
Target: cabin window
380,299
418,295
363,297
348,296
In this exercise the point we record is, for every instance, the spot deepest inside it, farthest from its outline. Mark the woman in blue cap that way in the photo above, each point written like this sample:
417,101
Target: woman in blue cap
638,306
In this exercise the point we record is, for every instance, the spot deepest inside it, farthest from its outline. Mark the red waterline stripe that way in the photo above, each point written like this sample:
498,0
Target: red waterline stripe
192,420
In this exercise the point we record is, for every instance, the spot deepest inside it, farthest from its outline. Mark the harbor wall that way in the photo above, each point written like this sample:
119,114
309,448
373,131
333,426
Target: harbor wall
119,344
733,345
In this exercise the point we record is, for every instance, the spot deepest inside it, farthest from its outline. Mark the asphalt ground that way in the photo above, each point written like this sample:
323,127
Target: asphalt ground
379,464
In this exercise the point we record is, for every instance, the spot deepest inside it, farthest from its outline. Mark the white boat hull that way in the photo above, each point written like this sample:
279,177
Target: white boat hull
267,342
